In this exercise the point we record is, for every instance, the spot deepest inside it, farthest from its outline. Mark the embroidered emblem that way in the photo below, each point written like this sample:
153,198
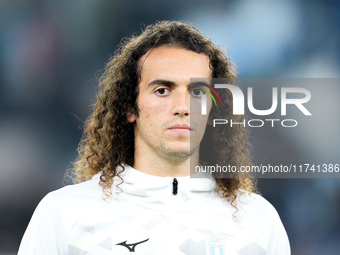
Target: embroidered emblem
216,248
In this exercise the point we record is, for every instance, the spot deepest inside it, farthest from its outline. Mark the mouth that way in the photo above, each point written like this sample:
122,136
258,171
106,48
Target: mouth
180,128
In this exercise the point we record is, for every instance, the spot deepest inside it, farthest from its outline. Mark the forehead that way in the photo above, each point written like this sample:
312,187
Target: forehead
174,63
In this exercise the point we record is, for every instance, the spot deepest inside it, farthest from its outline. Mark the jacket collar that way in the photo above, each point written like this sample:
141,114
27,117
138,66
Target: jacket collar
158,192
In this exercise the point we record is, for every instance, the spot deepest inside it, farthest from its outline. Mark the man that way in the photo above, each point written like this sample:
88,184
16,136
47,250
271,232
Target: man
136,154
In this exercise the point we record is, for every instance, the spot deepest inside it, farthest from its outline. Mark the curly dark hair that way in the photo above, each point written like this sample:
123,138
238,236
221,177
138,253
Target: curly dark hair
108,140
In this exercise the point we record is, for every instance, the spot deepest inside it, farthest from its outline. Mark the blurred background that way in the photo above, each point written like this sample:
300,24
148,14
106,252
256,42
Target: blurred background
52,53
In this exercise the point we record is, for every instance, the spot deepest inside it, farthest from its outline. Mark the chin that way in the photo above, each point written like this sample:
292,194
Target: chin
179,154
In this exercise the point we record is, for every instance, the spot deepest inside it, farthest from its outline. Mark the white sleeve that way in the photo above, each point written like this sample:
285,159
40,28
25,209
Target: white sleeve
278,238
265,216
278,242
46,232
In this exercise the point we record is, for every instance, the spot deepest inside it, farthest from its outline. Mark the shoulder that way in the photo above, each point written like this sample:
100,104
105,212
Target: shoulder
258,210
73,196
67,203
255,205
89,189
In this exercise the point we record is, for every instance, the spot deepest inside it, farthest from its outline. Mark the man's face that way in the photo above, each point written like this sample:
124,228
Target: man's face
163,126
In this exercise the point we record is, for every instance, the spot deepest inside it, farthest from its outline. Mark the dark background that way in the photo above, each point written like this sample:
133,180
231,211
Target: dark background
52,53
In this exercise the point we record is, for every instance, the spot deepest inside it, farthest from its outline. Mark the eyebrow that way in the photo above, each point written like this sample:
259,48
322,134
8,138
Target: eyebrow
198,84
162,82
169,83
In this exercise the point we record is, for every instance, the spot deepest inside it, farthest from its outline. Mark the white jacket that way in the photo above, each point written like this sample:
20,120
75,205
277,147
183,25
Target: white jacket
144,217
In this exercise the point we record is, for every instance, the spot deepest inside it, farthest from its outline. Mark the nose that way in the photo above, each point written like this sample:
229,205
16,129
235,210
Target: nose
181,103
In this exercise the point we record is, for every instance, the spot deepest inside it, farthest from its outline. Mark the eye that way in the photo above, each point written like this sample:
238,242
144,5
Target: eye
197,92
162,91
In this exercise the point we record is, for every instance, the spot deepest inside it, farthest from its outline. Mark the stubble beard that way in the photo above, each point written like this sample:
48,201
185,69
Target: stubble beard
175,155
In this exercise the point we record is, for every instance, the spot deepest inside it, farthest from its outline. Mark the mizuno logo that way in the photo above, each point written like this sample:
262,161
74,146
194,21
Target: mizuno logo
131,246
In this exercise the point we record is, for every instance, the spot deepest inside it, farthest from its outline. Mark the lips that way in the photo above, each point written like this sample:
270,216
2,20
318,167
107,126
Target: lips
180,128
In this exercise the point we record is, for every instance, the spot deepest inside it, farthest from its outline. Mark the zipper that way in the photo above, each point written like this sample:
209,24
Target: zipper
174,186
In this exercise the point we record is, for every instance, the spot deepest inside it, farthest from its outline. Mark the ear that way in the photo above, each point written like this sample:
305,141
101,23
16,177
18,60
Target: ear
131,117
